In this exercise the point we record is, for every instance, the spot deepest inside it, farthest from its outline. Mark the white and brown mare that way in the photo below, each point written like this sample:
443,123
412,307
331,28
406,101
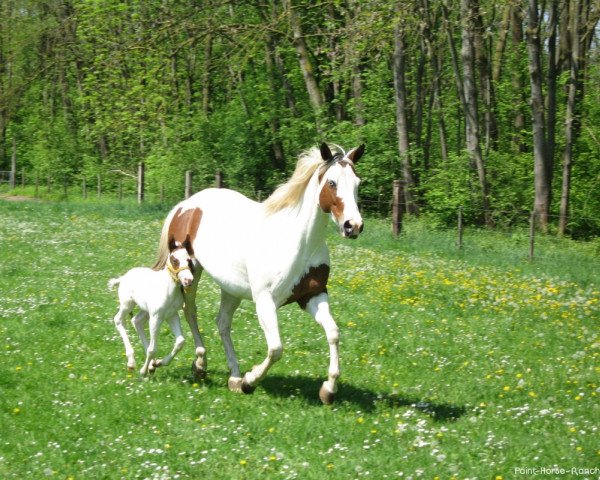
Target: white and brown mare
273,253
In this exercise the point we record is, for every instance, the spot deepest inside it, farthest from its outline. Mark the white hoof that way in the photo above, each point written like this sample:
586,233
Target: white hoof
235,384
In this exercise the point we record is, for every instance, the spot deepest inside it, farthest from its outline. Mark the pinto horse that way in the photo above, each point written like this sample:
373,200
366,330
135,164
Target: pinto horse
273,253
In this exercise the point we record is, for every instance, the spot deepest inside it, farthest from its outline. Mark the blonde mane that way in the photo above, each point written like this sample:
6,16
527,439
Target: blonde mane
290,193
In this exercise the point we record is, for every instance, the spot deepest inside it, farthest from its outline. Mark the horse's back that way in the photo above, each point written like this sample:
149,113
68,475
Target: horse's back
227,224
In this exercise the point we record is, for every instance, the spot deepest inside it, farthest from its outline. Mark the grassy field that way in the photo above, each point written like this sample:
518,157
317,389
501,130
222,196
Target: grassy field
470,364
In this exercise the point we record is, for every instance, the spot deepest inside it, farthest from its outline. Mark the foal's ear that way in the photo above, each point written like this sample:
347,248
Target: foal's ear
172,243
326,154
187,244
355,154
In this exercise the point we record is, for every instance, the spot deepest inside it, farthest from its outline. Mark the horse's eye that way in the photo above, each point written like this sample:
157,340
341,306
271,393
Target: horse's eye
332,184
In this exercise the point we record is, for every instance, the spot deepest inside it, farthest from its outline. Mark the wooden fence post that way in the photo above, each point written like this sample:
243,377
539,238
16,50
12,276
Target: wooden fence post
37,185
13,164
99,178
140,189
84,188
396,208
460,228
23,177
532,235
188,183
219,179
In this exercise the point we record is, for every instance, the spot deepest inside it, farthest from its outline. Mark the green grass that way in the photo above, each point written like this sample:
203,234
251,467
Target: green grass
454,364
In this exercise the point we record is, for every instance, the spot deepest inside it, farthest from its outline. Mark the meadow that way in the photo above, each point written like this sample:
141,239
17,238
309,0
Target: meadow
455,364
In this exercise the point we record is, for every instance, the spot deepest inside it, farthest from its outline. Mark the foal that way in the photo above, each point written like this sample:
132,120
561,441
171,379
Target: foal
159,295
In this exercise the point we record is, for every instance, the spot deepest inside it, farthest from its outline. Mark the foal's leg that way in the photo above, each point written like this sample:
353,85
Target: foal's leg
175,325
318,307
155,322
267,315
139,322
229,304
191,315
124,310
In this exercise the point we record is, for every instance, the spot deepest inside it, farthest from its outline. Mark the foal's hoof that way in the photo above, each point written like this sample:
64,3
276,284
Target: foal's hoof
198,373
246,387
235,384
326,396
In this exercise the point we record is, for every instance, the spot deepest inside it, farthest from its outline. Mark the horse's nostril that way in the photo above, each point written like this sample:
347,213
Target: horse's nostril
348,226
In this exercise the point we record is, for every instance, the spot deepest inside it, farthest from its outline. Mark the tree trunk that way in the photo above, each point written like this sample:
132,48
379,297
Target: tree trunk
516,21
206,74
551,79
471,104
274,124
571,117
401,122
541,163
312,87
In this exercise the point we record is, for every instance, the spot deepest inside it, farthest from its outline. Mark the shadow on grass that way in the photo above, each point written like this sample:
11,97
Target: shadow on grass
367,400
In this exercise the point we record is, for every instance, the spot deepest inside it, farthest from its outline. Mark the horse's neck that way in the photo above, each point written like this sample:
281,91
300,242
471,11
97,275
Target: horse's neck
308,223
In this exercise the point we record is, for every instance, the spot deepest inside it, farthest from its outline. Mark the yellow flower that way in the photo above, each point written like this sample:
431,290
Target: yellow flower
16,410
506,388
243,463
360,420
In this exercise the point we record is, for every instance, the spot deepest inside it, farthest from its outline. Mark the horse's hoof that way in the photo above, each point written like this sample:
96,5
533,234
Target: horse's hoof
235,384
326,396
246,387
198,373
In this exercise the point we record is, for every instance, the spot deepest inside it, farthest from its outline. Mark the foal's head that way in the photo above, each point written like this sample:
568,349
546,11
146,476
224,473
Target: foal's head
339,190
180,263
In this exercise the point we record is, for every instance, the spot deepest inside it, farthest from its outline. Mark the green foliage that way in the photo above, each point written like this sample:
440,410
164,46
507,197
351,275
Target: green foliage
99,86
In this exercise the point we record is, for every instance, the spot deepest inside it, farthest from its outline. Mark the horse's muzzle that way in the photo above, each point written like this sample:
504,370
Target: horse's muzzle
351,229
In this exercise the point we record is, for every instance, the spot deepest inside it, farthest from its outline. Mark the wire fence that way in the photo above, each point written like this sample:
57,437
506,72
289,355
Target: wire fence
518,225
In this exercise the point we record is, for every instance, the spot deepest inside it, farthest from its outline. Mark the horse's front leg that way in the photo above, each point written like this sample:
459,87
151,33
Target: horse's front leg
191,315
318,307
267,315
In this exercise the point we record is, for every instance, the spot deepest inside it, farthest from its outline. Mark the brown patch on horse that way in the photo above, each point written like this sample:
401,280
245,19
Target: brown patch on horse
184,227
330,202
310,285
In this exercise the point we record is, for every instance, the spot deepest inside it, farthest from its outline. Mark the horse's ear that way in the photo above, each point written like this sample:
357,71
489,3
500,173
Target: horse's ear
187,244
326,154
355,154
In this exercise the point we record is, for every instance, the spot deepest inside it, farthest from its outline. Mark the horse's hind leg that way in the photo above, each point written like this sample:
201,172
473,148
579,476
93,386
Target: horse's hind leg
191,315
155,322
318,307
124,310
175,325
267,316
229,304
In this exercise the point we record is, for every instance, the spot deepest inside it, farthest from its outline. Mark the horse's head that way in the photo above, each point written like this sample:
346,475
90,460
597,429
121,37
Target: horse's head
339,189
180,263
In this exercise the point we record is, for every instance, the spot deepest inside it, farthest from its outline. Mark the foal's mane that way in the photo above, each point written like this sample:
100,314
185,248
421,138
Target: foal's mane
290,193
